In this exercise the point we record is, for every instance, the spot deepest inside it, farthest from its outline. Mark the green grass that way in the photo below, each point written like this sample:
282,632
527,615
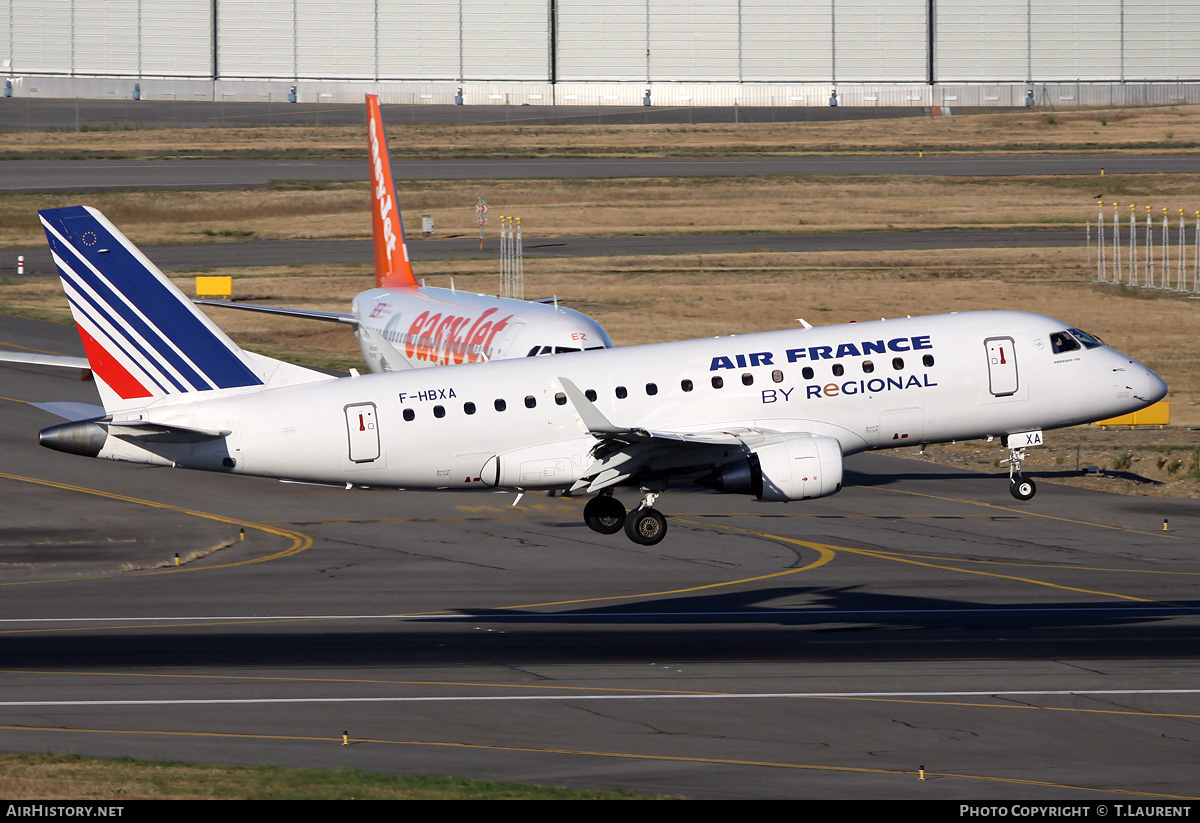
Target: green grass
63,777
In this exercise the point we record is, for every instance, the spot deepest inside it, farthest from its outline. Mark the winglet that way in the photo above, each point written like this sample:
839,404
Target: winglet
392,266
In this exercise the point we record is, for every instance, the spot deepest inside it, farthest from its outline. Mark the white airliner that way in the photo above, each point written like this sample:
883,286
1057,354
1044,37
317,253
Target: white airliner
403,325
767,415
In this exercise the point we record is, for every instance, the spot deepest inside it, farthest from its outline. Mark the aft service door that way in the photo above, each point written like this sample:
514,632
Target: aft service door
1002,366
363,432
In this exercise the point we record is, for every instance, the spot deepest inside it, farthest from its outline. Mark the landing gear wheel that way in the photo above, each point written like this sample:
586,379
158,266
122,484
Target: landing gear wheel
1023,488
646,527
604,514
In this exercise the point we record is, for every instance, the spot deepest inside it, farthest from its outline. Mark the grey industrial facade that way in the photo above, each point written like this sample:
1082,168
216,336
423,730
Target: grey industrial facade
666,52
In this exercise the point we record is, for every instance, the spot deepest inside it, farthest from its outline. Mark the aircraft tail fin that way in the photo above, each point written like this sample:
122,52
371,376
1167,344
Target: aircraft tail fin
392,266
144,339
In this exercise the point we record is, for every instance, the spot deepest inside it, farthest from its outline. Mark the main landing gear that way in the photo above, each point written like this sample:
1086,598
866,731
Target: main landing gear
644,525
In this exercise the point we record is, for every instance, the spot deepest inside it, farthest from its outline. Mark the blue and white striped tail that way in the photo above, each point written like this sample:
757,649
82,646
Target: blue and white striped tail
144,338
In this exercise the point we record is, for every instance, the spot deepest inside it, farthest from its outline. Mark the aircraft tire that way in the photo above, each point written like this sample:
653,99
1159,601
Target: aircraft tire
1023,488
604,514
646,527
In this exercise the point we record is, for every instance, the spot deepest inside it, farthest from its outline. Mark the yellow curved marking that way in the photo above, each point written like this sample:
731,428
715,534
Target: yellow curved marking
300,541
1025,512
1059,566
895,559
825,554
655,758
8,345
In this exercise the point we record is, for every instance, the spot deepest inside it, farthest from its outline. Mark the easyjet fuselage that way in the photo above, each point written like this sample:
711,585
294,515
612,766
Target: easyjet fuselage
869,385
441,327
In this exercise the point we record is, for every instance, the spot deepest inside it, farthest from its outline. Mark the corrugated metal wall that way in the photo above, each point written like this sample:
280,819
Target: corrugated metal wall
630,41
106,37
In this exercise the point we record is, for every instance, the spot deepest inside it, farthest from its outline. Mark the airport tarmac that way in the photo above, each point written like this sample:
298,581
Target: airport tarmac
93,175
826,649
191,256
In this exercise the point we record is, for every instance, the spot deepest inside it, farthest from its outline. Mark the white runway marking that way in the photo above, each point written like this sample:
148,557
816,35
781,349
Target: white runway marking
502,698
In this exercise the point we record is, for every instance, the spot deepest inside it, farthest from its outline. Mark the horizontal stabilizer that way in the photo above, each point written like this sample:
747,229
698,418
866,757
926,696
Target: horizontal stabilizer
152,432
64,361
304,314
72,411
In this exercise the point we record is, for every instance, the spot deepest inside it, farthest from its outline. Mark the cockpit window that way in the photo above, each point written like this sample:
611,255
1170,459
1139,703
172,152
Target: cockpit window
563,349
1088,340
1061,341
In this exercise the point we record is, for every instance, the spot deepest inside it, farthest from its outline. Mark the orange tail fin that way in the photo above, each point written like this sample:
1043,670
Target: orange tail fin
392,267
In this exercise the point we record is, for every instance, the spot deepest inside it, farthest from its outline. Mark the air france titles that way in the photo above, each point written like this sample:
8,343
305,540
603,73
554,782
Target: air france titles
836,352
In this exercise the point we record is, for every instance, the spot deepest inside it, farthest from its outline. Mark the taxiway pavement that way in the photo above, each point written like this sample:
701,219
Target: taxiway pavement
94,175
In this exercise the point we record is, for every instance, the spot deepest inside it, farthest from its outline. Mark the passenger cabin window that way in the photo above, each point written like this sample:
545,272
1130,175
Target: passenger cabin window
622,392
927,360
469,408
590,394
747,379
686,385
560,399
530,401
868,367
439,411
838,369
777,376
897,363
807,373
501,405
651,389
717,382
409,414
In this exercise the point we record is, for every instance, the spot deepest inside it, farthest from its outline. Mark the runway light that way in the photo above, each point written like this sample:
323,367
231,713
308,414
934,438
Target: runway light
1165,524
241,535
176,558
921,772
345,738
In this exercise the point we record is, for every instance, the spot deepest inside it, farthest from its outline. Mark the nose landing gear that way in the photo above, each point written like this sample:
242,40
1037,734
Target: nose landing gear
644,525
1019,486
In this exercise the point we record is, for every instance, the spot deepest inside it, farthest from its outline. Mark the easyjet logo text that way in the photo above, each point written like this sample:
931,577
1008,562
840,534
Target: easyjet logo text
382,196
446,338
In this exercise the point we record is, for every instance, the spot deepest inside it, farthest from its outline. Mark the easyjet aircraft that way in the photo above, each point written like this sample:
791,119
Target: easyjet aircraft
766,415
401,324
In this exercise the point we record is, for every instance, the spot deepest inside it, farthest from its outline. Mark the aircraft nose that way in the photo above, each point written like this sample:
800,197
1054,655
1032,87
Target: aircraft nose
1156,388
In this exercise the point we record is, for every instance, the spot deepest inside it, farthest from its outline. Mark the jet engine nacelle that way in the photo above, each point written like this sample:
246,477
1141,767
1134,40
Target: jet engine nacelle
797,469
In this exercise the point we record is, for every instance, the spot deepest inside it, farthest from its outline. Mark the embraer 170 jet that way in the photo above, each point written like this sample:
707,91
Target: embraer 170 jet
767,415
401,324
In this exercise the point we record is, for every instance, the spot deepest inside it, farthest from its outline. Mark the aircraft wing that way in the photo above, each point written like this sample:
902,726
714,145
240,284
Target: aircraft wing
306,314
623,453
58,360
